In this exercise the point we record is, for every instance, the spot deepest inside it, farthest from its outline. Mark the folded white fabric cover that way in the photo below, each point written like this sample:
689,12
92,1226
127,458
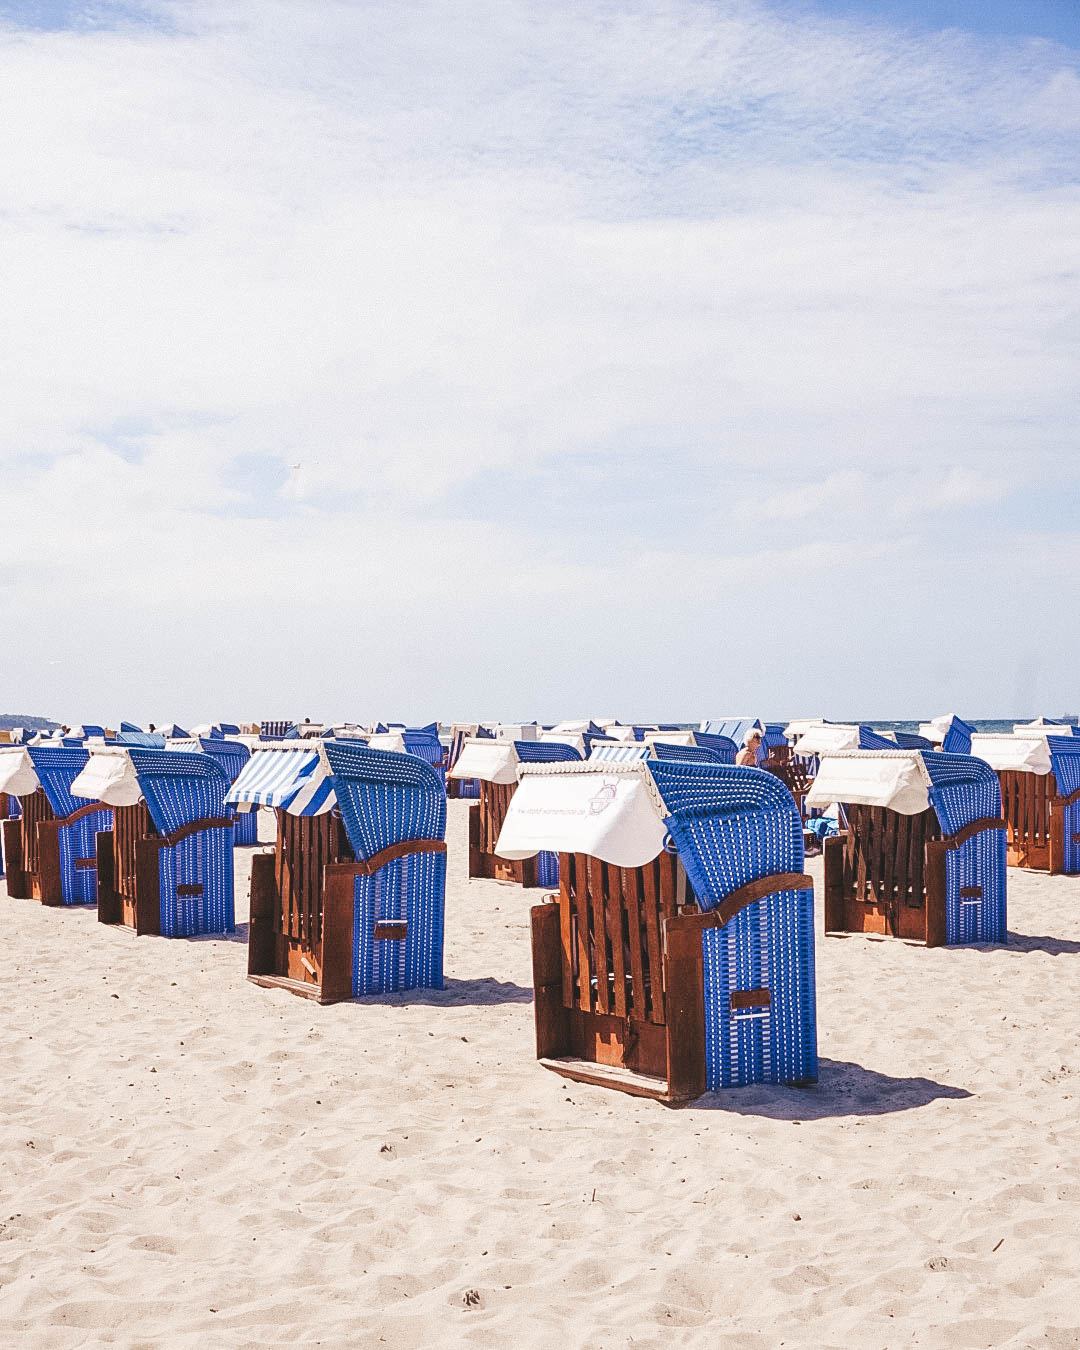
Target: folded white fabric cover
18,777
493,761
108,776
1029,754
893,778
610,811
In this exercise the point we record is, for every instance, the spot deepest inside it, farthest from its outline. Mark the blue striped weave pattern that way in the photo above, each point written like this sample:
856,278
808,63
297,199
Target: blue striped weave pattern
731,826
965,789
57,768
384,799
180,788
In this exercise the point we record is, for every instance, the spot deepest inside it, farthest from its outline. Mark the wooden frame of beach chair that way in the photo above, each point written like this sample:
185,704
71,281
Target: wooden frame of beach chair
936,877
1043,823
166,867
330,925
50,849
487,814
652,987
1037,816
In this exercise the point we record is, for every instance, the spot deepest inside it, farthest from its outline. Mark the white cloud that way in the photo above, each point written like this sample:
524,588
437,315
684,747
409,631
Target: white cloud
581,325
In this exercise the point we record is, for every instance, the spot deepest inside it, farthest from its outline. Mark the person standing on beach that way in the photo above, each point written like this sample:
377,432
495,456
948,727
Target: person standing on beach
748,755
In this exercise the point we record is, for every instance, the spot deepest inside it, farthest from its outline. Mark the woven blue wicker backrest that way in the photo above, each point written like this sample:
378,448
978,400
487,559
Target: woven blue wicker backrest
731,825
723,746
686,754
544,752
149,740
957,740
180,787
963,789
57,767
1065,758
385,798
231,755
870,740
734,728
424,744
774,735
907,740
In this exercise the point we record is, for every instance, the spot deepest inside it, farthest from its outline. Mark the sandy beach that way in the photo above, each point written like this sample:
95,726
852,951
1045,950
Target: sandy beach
194,1162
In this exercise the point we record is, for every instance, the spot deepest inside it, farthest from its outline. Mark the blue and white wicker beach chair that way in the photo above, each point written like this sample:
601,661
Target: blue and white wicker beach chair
494,765
51,849
950,732
1039,775
351,900
907,740
166,867
232,756
277,731
679,956
923,856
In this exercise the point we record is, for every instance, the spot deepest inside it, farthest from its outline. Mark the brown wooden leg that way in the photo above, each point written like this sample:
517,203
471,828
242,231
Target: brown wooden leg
337,937
147,887
548,1006
1057,838
834,883
476,866
684,984
264,905
936,856
110,904
49,887
18,883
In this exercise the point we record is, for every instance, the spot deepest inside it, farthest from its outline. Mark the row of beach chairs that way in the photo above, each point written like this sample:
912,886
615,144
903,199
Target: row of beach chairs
678,953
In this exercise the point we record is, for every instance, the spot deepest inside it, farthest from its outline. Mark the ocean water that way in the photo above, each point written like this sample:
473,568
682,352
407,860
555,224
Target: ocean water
989,725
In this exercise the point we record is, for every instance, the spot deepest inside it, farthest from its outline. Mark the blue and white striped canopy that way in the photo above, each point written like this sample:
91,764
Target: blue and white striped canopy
293,777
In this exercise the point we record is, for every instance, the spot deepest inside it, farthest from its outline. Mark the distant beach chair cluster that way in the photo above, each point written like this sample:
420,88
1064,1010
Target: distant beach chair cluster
675,953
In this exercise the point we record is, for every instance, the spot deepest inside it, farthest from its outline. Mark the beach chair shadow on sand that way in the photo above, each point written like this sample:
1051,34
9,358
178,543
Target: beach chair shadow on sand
842,1089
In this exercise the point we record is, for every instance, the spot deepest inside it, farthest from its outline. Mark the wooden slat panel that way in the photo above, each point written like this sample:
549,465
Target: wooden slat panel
581,930
597,944
567,936
632,902
650,876
616,938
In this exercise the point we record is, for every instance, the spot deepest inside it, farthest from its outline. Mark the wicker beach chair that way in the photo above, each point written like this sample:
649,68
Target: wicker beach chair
923,854
232,755
166,867
950,732
50,849
1040,792
351,900
678,956
493,764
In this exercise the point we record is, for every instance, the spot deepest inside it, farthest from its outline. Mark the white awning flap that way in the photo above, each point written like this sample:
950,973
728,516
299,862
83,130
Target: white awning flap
565,738
18,777
108,776
827,739
1028,754
671,737
493,761
619,733
516,731
893,778
387,740
936,729
611,811
800,726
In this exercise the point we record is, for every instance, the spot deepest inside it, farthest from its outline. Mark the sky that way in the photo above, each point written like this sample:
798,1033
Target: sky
658,359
